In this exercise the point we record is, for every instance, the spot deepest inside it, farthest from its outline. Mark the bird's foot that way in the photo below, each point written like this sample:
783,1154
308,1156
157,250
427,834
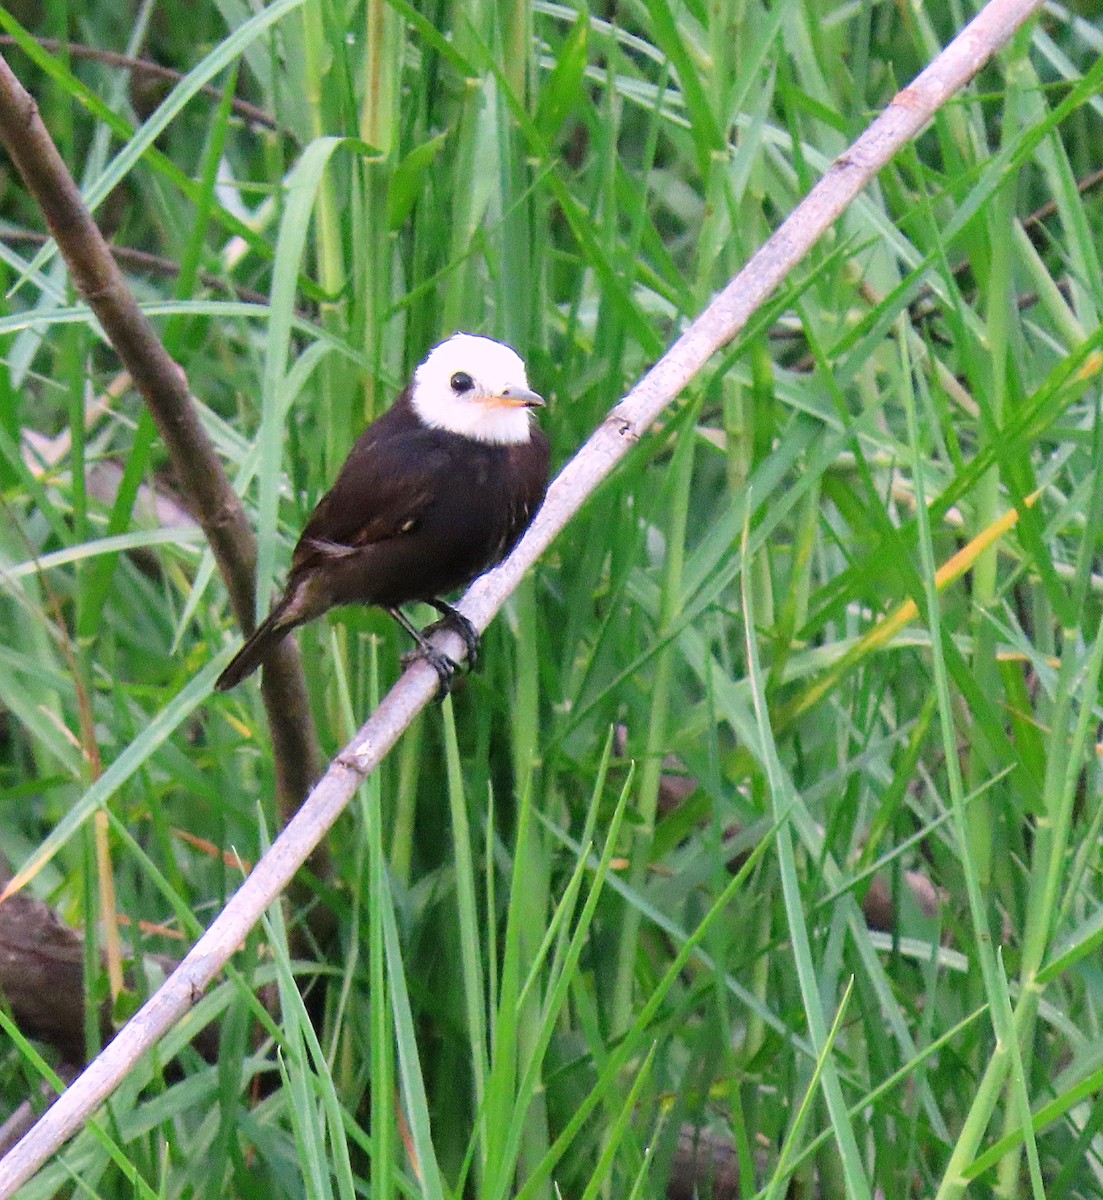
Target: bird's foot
444,666
438,660
451,618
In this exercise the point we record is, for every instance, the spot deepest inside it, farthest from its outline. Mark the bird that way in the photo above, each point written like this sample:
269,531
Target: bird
437,490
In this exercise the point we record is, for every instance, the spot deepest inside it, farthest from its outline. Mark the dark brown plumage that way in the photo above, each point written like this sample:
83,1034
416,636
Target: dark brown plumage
419,509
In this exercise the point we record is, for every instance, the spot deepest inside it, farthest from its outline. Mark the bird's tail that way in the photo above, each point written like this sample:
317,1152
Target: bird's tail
271,631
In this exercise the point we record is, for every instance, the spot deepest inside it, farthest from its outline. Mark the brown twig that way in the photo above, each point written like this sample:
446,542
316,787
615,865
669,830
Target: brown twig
724,318
100,283
151,70
155,264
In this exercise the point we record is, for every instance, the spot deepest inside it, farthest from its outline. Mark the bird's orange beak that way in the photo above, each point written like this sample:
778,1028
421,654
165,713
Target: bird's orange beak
516,397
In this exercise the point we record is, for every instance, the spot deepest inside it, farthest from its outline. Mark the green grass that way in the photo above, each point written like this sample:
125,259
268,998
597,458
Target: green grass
542,972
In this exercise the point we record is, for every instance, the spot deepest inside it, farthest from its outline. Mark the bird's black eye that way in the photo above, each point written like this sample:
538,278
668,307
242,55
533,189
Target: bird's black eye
462,382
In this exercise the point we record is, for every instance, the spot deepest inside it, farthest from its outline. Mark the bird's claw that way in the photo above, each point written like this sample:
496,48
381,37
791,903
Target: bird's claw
451,618
439,661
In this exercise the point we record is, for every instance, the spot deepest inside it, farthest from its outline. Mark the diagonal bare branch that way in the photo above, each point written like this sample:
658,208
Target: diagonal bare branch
724,318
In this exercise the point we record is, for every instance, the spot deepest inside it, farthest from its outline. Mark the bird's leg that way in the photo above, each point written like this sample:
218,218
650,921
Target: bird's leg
452,618
437,659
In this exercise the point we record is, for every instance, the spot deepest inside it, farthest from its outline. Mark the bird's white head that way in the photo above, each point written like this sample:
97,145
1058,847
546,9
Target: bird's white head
475,387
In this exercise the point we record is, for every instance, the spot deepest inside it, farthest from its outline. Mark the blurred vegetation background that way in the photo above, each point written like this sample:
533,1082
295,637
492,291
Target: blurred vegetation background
762,856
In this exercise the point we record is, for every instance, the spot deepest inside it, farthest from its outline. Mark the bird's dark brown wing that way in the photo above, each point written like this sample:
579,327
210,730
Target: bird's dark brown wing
384,488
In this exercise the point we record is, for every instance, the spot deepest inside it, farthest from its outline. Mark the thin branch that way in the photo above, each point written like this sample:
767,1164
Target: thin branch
629,420
100,283
156,264
142,67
